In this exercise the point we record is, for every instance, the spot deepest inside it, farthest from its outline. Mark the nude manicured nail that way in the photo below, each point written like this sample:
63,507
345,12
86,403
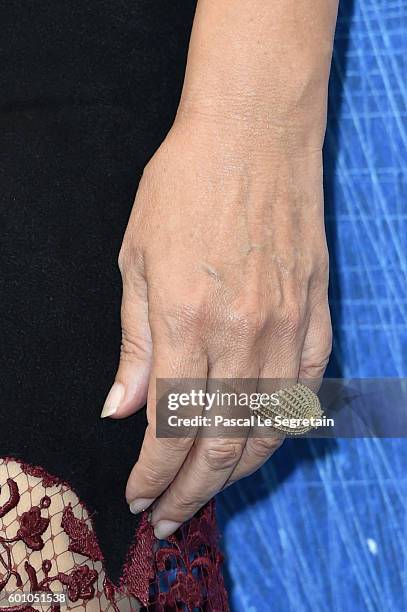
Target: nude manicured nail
113,400
163,529
138,505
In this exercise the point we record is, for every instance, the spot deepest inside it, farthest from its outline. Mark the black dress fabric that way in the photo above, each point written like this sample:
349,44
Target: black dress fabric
88,91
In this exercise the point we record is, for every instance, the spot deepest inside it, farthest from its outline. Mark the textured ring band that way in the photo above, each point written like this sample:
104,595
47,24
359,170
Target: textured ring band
297,404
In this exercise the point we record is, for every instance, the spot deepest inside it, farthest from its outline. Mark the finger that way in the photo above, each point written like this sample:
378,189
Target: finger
256,452
129,391
208,465
317,346
280,369
203,474
306,360
161,458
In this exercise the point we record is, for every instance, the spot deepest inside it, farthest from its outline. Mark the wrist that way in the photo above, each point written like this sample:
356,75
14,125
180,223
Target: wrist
254,136
280,176
292,116
261,70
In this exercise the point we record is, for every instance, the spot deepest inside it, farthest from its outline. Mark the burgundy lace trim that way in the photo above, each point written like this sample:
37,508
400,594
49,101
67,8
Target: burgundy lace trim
182,573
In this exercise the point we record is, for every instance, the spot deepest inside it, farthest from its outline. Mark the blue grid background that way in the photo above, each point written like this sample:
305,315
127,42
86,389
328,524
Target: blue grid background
323,526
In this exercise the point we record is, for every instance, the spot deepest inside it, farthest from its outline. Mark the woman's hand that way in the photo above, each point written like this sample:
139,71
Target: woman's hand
225,272
224,261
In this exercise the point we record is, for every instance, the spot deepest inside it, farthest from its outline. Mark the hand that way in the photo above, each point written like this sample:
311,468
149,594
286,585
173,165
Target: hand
225,269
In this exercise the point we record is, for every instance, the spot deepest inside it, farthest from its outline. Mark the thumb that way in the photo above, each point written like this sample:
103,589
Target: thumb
129,391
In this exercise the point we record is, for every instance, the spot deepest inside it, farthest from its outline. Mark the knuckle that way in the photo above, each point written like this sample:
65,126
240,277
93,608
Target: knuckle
309,374
153,478
247,321
314,370
192,316
291,318
130,259
315,367
134,347
144,481
265,446
184,323
222,455
315,360
186,502
175,446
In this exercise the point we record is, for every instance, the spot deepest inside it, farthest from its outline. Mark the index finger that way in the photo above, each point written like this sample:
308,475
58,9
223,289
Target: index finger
161,458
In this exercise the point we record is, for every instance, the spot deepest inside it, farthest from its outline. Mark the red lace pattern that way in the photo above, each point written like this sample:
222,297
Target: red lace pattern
38,512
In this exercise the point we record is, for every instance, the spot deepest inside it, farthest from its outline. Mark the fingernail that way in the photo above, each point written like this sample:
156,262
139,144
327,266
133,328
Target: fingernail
163,529
113,400
138,505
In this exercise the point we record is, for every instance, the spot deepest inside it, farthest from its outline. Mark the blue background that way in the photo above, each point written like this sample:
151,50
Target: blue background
323,525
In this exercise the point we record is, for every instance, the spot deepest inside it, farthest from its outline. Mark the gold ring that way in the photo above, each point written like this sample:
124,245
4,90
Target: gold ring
296,412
